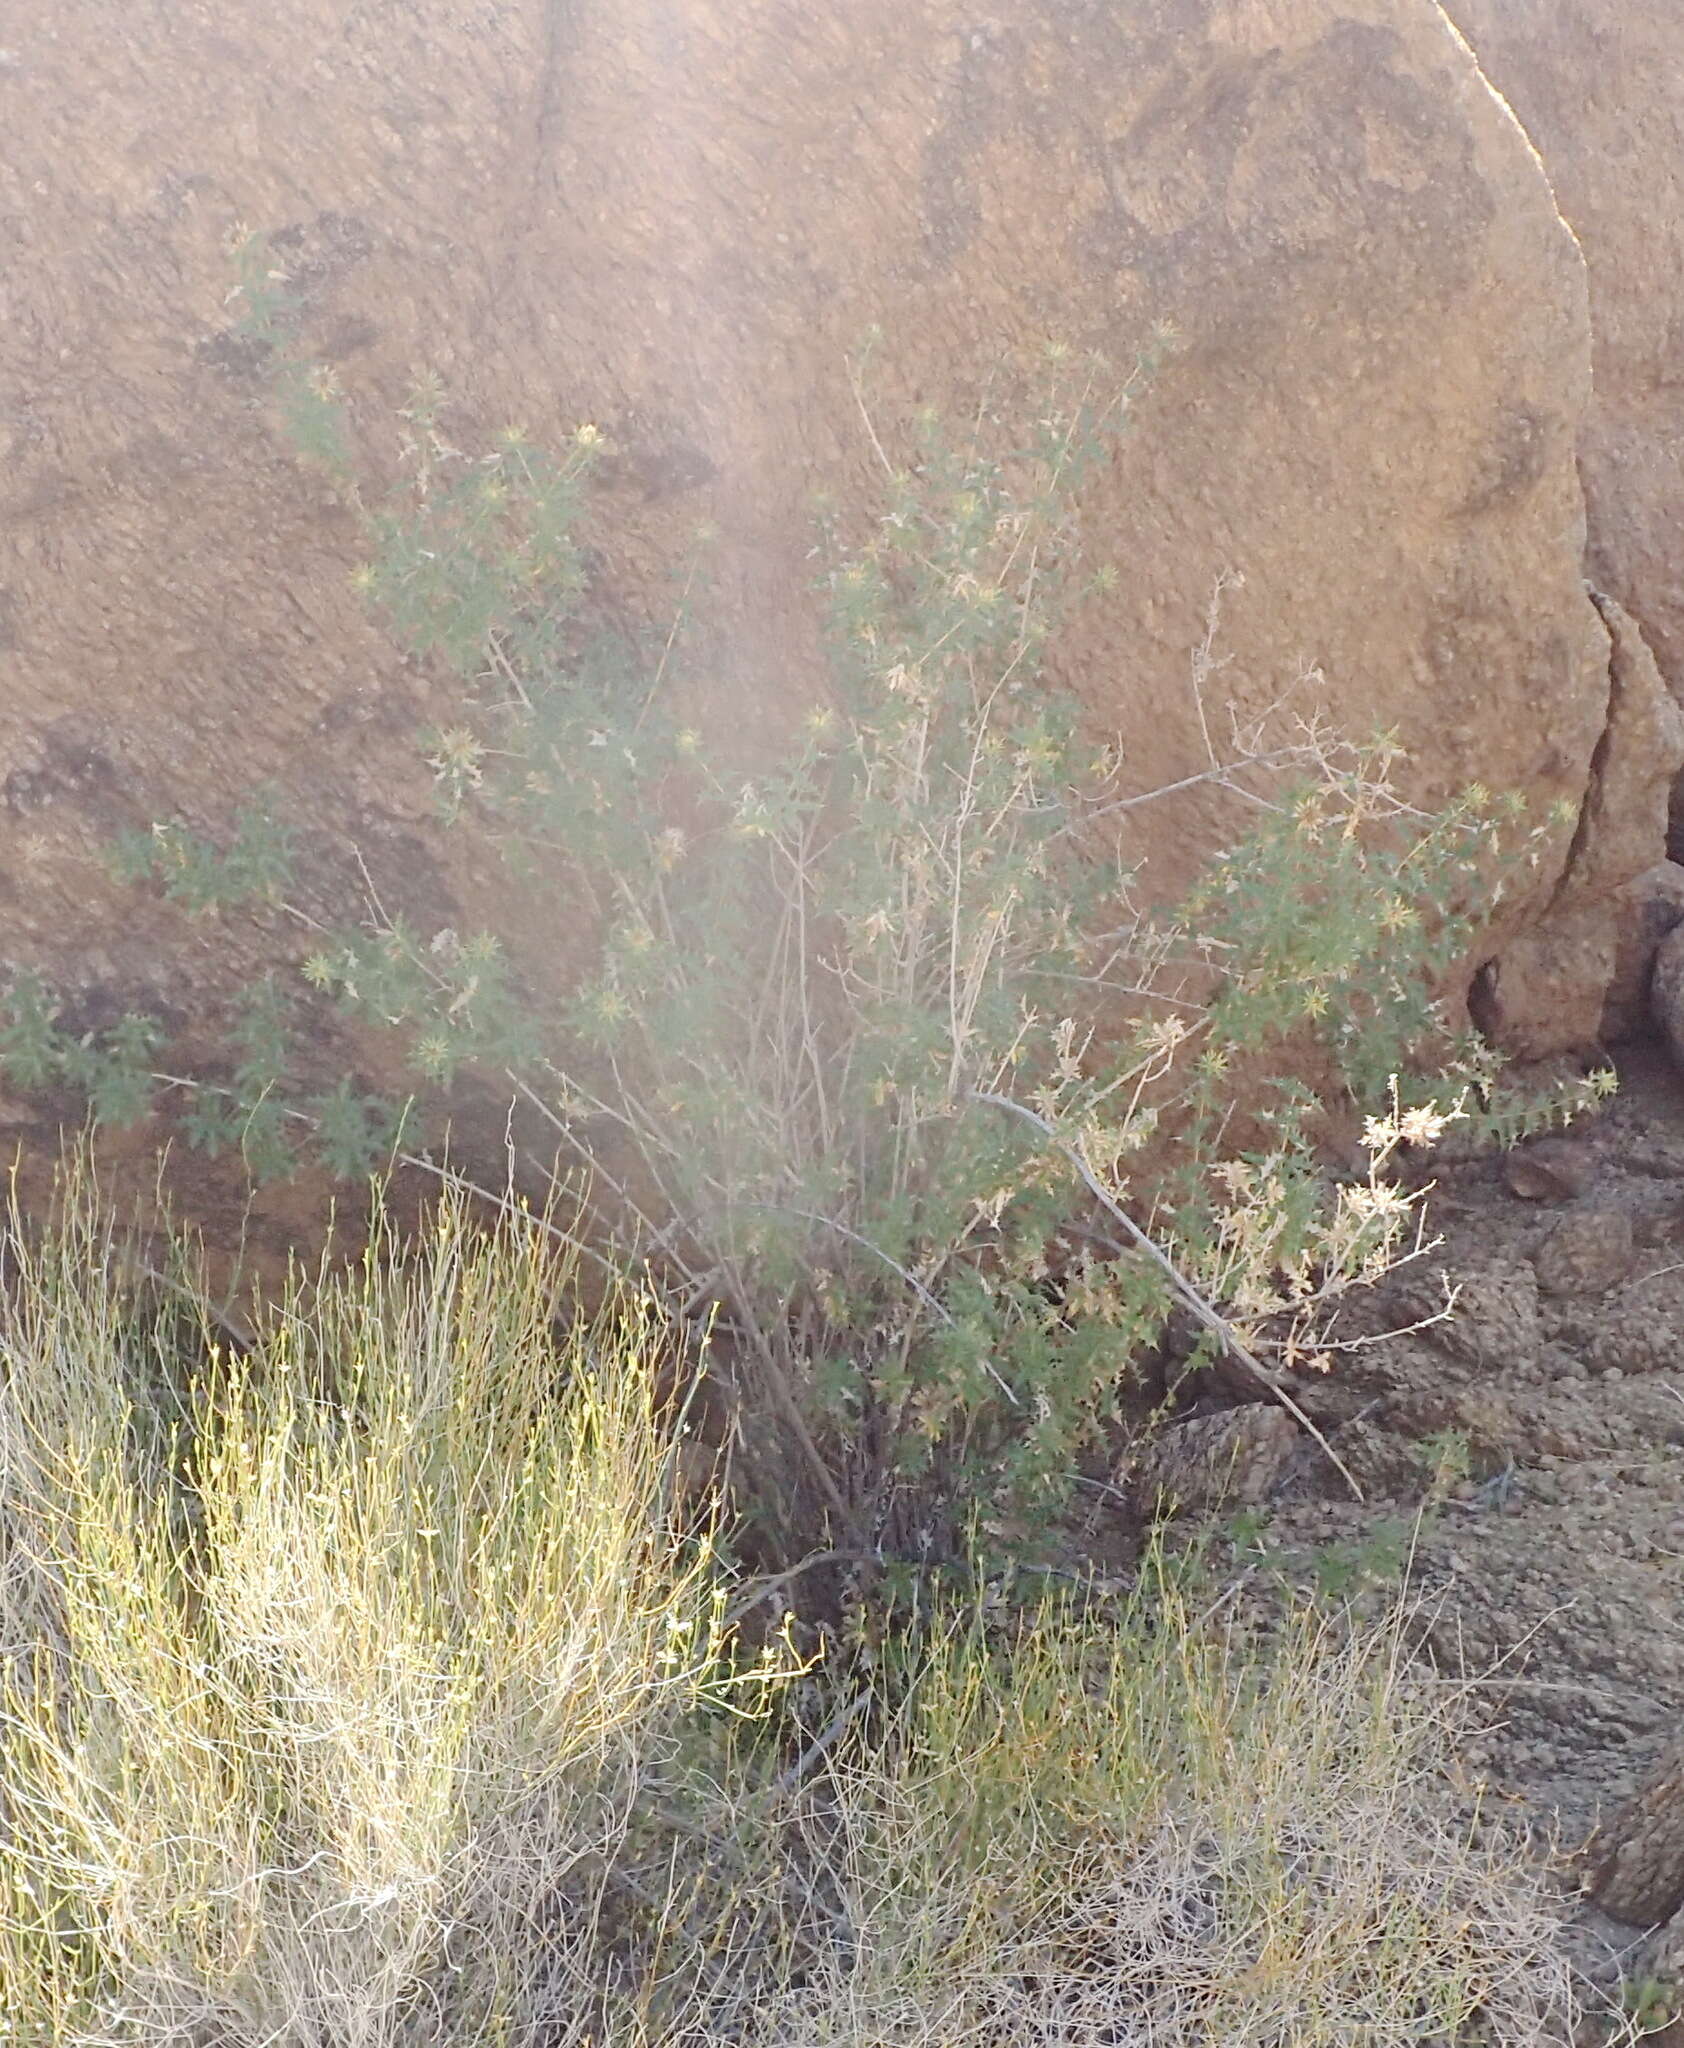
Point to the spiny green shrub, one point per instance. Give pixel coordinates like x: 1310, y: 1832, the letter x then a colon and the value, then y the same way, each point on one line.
x: 202, y: 876
x: 875, y: 1038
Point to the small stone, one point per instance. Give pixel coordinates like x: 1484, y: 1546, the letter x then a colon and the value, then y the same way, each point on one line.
x: 1236, y: 1457
x: 1588, y: 1251
x: 1611, y: 1374
x: 1552, y: 1169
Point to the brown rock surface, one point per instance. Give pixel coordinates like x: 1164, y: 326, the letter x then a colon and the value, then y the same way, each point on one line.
x: 1640, y: 1877
x: 1588, y: 1252
x: 1552, y: 984
x: 1549, y: 1169
x: 1599, y: 88
x: 1236, y: 1457
x: 1649, y: 908
x: 676, y: 217
x: 1666, y: 991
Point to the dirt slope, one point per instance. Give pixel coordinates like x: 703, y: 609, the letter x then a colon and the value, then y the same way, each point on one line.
x: 1548, y: 1570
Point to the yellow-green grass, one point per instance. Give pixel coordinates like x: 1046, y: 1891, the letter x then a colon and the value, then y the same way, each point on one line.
x: 373, y: 1689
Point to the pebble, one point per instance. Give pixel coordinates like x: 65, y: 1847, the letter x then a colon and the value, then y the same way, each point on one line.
x: 1588, y: 1252
x: 1551, y: 1169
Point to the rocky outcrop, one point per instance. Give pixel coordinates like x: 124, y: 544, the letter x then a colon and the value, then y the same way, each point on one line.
x: 1599, y: 88
x: 1552, y: 984
x: 1666, y: 994
x: 676, y: 217
x: 1640, y: 1876
x: 1650, y: 907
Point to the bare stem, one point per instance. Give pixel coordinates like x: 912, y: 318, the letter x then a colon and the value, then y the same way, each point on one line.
x: 1210, y: 1317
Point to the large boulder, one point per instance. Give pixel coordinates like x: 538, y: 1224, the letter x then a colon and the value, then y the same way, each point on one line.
x: 1563, y: 982
x: 1599, y: 87
x: 676, y: 218
x: 1650, y: 908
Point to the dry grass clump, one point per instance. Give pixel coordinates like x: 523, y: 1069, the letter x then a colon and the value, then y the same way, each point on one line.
x: 340, y: 1707
x: 1153, y: 1832
x: 371, y: 1691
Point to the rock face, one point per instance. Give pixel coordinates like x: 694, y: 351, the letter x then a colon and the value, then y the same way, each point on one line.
x: 1640, y: 1878
x: 1666, y: 991
x: 1650, y: 907
x: 1552, y: 985
x: 1600, y: 90
x: 676, y: 218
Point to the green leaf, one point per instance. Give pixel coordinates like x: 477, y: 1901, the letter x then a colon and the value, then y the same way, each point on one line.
x: 33, y: 1050
x: 114, y: 1069
x: 355, y: 1133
